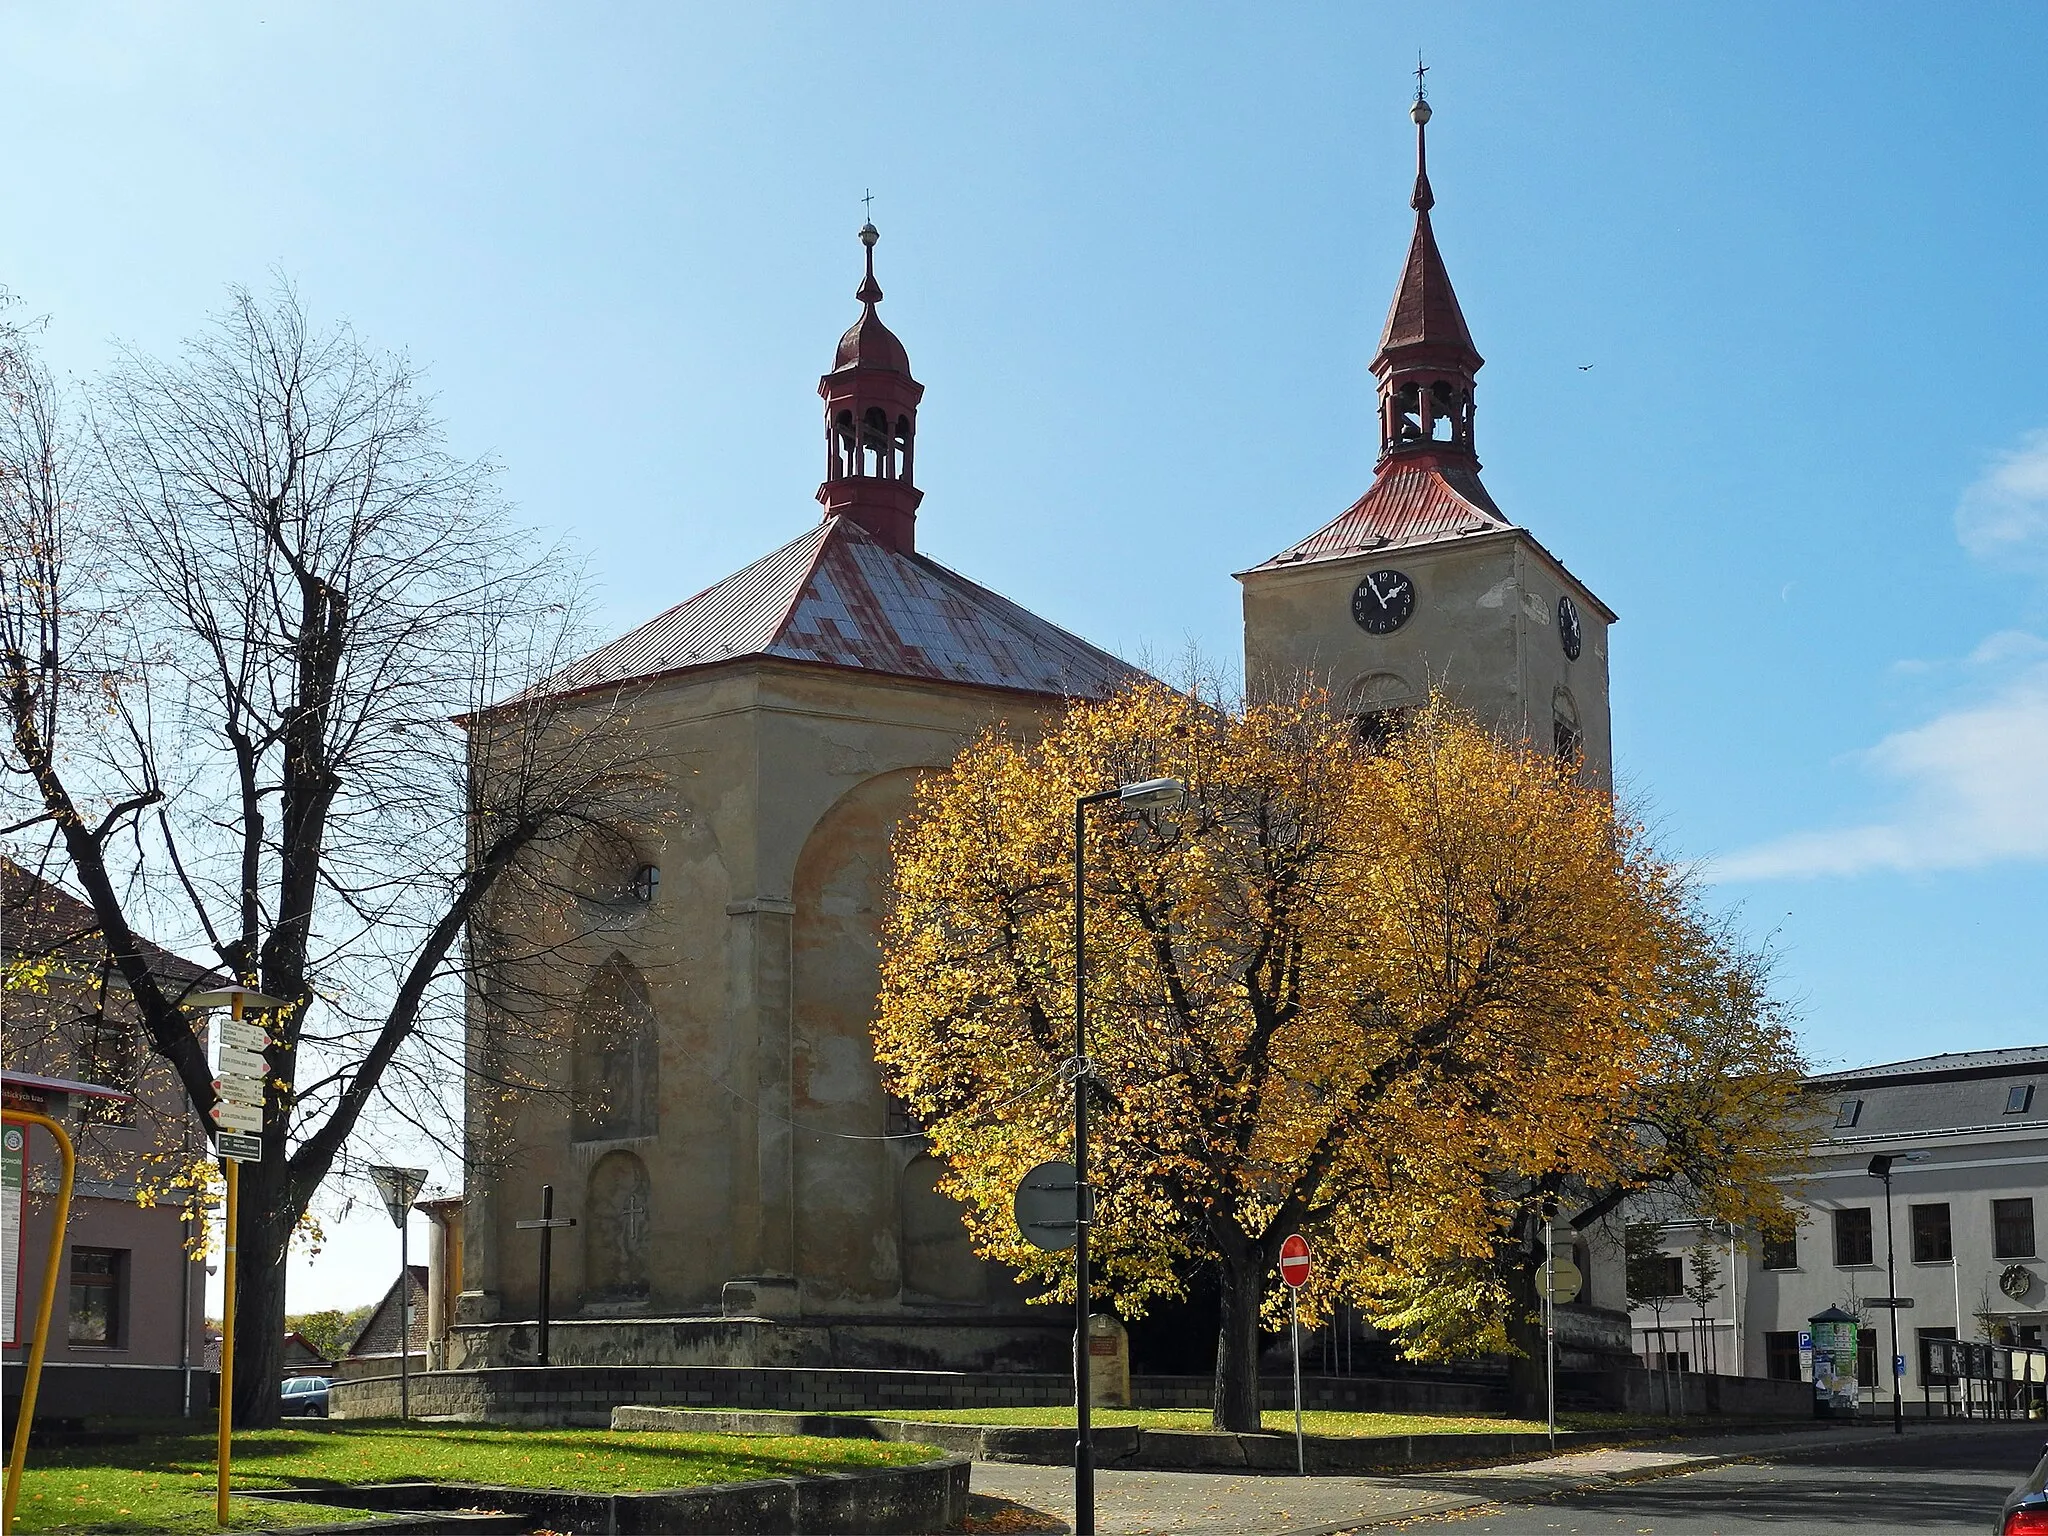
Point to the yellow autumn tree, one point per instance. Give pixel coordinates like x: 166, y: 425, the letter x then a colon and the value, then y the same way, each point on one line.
x: 1367, y: 996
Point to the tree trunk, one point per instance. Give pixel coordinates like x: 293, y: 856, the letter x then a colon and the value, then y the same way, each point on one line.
x: 263, y: 1230
x: 1235, y: 1404
x: 1527, y: 1394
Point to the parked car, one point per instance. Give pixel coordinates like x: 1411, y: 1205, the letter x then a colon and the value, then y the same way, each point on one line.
x: 2026, y: 1509
x: 306, y: 1395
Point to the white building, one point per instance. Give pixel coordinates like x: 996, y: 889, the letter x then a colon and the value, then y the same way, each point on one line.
x: 1968, y: 1137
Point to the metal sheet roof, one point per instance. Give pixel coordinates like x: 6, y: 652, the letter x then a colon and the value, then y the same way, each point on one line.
x: 839, y: 598
x: 1408, y: 504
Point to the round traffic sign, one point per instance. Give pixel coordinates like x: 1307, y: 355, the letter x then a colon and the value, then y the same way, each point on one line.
x: 1566, y: 1278
x: 1294, y: 1264
x: 1047, y: 1206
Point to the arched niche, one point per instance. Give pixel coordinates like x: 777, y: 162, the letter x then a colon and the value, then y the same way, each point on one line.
x: 616, y: 1092
x: 1567, y: 733
x: 847, y: 1210
x: 617, y: 1223
x: 938, y: 1260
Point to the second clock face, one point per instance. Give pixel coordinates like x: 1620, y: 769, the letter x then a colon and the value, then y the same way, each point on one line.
x: 1568, y: 627
x: 1383, y: 602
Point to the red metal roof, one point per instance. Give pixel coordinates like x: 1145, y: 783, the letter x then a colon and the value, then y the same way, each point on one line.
x: 838, y: 597
x: 1411, y: 502
x: 1425, y: 310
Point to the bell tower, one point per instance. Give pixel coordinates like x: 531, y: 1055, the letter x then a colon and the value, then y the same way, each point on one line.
x: 1423, y: 582
x: 871, y: 424
x: 1426, y: 364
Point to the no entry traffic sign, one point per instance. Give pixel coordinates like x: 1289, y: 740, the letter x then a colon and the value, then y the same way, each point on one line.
x: 1294, y: 1263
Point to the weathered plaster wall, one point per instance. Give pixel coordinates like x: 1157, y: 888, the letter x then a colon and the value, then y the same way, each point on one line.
x: 1484, y: 630
x: 757, y: 961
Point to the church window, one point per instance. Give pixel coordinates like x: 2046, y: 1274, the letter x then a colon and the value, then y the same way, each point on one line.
x: 1567, y: 736
x: 1380, y: 705
x: 877, y: 451
x: 1407, y: 408
x: 845, y: 454
x: 616, y: 1057
x: 1443, y: 411
x: 646, y: 881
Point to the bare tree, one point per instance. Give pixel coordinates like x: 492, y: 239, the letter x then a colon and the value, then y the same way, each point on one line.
x: 269, y: 654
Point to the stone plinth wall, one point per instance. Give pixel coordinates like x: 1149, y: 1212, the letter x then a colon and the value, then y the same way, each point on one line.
x: 1033, y: 1344
x: 1687, y: 1392
x: 587, y: 1394
x: 872, y: 1501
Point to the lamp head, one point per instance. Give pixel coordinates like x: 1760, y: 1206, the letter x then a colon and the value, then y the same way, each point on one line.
x: 1881, y: 1165
x: 1150, y: 792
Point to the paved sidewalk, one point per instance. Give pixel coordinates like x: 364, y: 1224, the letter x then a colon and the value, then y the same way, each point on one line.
x: 1244, y: 1504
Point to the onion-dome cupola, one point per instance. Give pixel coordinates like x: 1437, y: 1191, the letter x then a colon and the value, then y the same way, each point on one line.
x: 871, y: 424
x: 1426, y: 362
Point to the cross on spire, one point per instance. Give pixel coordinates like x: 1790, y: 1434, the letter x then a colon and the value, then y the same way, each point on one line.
x: 867, y: 204
x: 1421, y: 69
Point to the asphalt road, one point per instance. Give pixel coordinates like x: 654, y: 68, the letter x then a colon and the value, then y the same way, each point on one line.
x: 1928, y: 1481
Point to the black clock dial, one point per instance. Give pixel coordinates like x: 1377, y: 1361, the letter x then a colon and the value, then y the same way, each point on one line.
x: 1383, y: 602
x: 1568, y: 627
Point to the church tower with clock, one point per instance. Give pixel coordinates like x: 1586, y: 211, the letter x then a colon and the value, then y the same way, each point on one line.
x: 1424, y: 582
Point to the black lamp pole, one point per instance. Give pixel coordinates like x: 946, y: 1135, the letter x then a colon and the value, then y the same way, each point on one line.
x: 1084, y: 1453
x: 1145, y: 792
x: 1881, y: 1166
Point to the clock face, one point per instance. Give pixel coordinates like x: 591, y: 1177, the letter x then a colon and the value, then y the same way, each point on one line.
x: 1568, y: 627
x: 1383, y: 602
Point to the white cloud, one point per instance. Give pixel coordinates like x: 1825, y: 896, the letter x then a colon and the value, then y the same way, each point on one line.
x: 1975, y: 791
x: 1973, y: 781
x: 2003, y: 517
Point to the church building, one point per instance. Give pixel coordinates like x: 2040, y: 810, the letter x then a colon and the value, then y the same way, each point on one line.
x: 725, y: 1144
x: 744, y: 1191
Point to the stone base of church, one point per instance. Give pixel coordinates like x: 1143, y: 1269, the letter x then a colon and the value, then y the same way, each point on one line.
x: 890, y: 1343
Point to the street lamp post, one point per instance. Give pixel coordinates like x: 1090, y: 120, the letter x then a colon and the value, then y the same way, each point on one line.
x: 1881, y: 1167
x: 1145, y: 792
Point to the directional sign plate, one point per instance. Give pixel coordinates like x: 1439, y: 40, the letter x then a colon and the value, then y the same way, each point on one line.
x: 241, y: 1036
x: 1294, y: 1260
x: 1888, y: 1303
x: 234, y: 1063
x: 240, y: 1090
x: 1047, y: 1207
x: 237, y: 1117
x: 239, y: 1149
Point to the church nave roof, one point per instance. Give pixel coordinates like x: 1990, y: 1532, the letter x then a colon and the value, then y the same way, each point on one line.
x: 839, y: 597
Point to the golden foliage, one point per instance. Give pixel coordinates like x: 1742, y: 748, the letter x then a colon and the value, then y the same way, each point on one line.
x: 1384, y: 998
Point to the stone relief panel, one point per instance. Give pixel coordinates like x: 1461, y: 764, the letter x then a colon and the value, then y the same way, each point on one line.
x: 617, y: 1221
x: 938, y: 1261
x: 848, y: 1212
x: 616, y: 1088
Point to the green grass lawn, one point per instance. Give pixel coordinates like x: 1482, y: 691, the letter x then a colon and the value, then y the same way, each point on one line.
x: 1314, y: 1422
x: 165, y: 1482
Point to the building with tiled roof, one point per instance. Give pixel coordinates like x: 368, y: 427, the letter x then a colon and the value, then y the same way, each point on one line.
x: 719, y: 1134
x: 1424, y: 582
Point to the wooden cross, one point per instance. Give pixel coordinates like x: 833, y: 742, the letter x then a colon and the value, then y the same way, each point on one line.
x: 546, y: 1227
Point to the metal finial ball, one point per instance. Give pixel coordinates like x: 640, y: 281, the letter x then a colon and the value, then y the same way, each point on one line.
x: 1420, y: 111
x: 869, y: 235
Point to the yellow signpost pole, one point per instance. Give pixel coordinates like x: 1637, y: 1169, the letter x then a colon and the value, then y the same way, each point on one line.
x: 25, y: 1415
x: 223, y: 1448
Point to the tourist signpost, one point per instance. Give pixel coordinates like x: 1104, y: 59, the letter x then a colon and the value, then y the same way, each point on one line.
x: 1295, y: 1268
x: 399, y: 1187
x: 237, y: 1116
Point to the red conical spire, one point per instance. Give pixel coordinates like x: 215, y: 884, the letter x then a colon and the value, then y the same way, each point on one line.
x: 1426, y: 361
x: 871, y: 423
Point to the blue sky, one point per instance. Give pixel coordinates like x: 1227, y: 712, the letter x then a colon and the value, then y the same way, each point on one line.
x: 1140, y: 255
